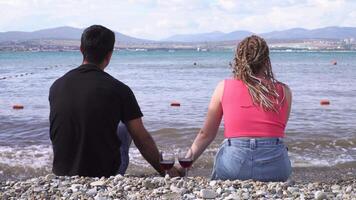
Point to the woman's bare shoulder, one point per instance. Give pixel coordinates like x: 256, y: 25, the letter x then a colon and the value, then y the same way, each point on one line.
x: 219, y: 90
x: 285, y: 86
x: 221, y: 84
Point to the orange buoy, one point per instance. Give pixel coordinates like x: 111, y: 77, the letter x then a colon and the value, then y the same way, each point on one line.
x: 324, y: 102
x: 17, y: 107
x: 175, y: 103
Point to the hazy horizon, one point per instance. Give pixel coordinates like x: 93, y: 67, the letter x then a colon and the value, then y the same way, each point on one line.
x: 159, y: 19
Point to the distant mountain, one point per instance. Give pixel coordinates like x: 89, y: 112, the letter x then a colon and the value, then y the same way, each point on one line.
x: 235, y: 35
x: 209, y: 37
x: 195, y: 37
x: 295, y: 33
x: 59, y: 33
x: 70, y: 33
x: 332, y: 32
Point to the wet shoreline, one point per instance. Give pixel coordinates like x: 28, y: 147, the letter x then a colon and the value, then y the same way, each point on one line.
x: 341, y: 172
x: 21, y: 164
x: 309, y: 174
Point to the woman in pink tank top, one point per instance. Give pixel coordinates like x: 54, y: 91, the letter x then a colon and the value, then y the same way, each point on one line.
x: 255, y: 107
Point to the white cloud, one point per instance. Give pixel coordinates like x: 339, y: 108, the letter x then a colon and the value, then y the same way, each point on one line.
x: 157, y: 19
x: 228, y: 4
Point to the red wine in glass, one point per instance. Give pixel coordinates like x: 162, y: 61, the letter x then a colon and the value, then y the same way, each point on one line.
x: 186, y: 162
x: 166, y: 161
x: 185, y: 159
x: 166, y: 164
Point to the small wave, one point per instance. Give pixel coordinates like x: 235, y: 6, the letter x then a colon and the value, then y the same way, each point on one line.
x: 18, y: 163
x: 34, y: 156
x: 308, y: 161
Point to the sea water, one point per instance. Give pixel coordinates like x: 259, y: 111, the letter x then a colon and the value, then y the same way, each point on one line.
x: 316, y: 135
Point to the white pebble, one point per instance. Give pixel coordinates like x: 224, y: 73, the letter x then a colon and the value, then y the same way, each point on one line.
x: 208, y: 194
x: 219, y: 190
x: 212, y: 183
x: 175, y: 189
x: 97, y: 183
x: 335, y: 188
x: 320, y: 195
x: 99, y: 197
x: 127, y: 187
x: 260, y: 193
x: 232, y: 197
x: 348, y: 189
x: 92, y: 191
x: 292, y: 189
x: 245, y: 196
x: 189, y: 196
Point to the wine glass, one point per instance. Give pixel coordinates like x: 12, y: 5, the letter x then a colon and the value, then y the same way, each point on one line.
x: 186, y: 159
x: 166, y: 161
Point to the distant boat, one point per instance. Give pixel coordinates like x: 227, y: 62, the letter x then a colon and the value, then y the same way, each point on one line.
x: 204, y: 50
x: 198, y: 49
x: 140, y: 49
x: 171, y: 50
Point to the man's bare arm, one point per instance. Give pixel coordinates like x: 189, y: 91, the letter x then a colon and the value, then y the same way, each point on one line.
x: 145, y: 143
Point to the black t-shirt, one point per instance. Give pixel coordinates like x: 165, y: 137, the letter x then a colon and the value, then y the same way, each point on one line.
x: 86, y: 105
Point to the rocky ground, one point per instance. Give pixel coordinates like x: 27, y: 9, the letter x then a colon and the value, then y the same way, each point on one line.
x: 151, y: 187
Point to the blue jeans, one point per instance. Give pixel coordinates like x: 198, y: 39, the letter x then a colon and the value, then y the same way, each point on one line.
x: 260, y: 159
x: 126, y: 140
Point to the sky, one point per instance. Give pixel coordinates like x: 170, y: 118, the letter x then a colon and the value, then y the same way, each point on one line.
x: 159, y: 19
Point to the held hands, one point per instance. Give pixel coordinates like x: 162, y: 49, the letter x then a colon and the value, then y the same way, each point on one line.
x: 185, y: 159
x: 174, y: 172
x: 181, y: 171
x: 177, y: 171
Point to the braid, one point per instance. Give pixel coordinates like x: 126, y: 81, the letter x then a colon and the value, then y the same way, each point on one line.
x: 252, y: 56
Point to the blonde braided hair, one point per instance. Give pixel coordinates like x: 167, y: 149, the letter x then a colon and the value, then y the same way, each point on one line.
x: 252, y: 56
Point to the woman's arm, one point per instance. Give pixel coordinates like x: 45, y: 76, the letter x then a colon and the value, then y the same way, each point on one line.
x: 212, y: 122
x: 288, y: 93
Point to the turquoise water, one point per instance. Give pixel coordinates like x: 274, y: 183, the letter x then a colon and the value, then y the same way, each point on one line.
x: 317, y: 135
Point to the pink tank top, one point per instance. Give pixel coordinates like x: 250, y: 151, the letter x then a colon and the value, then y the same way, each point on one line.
x: 243, y: 119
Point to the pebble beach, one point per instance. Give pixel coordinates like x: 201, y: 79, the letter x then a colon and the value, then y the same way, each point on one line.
x: 154, y: 187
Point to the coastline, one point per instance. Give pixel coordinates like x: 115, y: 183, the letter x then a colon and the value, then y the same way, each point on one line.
x: 305, y: 182
x: 140, y: 49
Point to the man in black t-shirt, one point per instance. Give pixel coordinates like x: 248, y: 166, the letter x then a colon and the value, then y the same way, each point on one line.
x: 86, y: 106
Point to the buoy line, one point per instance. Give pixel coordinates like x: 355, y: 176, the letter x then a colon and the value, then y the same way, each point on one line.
x: 31, y: 73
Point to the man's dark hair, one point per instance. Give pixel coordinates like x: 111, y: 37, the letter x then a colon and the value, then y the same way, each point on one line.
x: 96, y: 42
